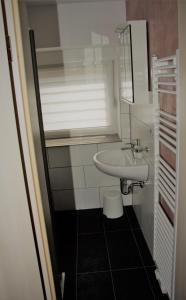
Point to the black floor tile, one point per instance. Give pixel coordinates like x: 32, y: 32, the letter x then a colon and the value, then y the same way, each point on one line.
x: 66, y: 222
x: 70, y: 287
x: 132, y: 285
x: 116, y: 224
x: 90, y: 221
x: 92, y: 253
x: 155, y: 285
x: 95, y: 286
x: 67, y: 252
x: 144, y: 250
x: 66, y: 240
x: 132, y: 217
x: 123, y: 251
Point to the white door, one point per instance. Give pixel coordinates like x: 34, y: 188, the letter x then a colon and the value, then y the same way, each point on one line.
x: 19, y: 270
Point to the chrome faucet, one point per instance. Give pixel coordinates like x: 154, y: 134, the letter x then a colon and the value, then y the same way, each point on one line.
x: 136, y: 147
x: 131, y: 145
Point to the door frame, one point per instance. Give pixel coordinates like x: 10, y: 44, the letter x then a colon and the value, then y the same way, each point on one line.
x: 30, y: 164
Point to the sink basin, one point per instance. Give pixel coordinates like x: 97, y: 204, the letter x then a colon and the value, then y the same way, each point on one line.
x: 121, y: 164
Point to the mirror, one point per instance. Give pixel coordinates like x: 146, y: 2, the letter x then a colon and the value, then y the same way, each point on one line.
x: 133, y: 61
x: 126, y: 69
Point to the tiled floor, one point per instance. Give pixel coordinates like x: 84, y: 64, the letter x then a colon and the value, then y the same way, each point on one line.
x: 105, y: 259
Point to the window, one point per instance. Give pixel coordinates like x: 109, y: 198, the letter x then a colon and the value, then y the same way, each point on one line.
x: 78, y: 98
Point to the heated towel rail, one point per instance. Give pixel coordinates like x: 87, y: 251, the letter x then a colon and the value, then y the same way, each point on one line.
x: 166, y: 111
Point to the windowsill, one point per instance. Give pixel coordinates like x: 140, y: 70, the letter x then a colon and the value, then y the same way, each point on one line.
x: 84, y: 140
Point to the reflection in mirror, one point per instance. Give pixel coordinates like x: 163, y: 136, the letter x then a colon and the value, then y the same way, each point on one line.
x: 133, y: 62
x: 126, y: 70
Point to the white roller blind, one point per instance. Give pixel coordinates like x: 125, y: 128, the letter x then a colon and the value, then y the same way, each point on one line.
x: 78, y: 99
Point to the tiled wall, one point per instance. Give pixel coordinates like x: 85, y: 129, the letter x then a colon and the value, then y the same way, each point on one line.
x: 161, y: 16
x: 75, y: 181
x: 143, y: 199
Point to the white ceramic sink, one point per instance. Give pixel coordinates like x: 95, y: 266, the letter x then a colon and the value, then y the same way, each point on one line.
x: 122, y: 164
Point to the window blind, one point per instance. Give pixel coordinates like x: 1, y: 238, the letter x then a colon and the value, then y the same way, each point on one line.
x: 78, y: 100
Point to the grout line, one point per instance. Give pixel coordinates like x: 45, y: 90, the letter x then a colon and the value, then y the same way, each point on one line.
x: 139, y: 252
x: 77, y: 229
x: 129, y: 269
x: 110, y: 268
x: 90, y: 187
x: 148, y: 279
x: 93, y: 272
x: 129, y: 220
x: 130, y: 123
x: 85, y: 179
x: 98, y: 232
x: 150, y: 282
x: 150, y: 267
x: 72, y: 166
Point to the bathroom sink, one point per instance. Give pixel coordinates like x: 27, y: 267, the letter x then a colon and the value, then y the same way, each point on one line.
x: 122, y: 164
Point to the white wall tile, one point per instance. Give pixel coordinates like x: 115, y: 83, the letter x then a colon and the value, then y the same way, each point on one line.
x: 61, y: 178
x: 113, y: 146
x: 82, y: 185
x: 87, y: 198
x: 109, y: 146
x: 143, y: 199
x: 143, y: 202
x: 59, y: 157
x: 78, y: 177
x: 67, y: 178
x: 64, y: 200
x: 149, y: 156
x: 125, y: 141
x: 125, y: 126
x: 141, y: 130
x: 82, y: 155
x: 127, y: 199
x: 95, y: 178
x: 124, y: 107
x: 143, y: 112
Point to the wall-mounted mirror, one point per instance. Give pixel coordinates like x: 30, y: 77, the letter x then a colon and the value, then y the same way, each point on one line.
x: 126, y: 69
x: 133, y: 62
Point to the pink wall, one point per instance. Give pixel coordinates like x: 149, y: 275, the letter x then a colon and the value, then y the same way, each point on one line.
x: 162, y: 18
